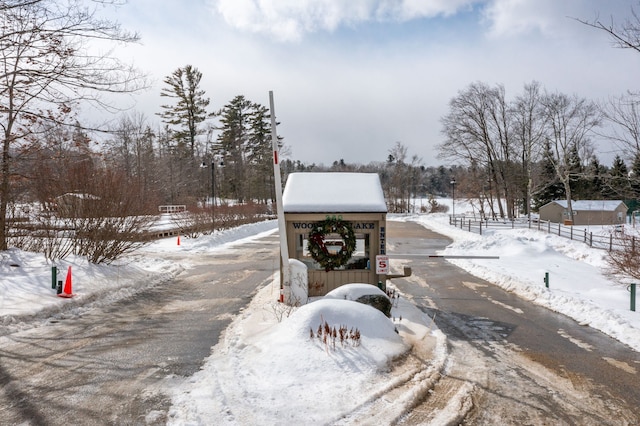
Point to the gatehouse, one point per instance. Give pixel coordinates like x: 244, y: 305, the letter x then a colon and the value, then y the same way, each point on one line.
x: 336, y: 226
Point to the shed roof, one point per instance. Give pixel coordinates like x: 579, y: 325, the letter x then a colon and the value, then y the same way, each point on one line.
x: 333, y: 193
x: 78, y: 195
x: 591, y: 205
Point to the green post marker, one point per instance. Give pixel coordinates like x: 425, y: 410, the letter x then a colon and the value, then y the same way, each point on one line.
x: 54, y: 277
x: 546, y: 279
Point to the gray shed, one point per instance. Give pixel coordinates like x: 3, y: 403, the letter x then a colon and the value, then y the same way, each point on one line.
x: 585, y: 212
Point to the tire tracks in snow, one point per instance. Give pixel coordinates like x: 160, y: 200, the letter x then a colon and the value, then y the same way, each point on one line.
x: 417, y: 379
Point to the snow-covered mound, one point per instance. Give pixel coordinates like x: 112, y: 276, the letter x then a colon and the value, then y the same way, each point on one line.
x: 353, y: 291
x: 264, y: 370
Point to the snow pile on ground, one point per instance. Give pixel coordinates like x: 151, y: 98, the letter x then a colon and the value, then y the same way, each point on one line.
x: 579, y: 285
x: 26, y: 287
x: 265, y: 370
x: 353, y: 291
x: 26, y: 290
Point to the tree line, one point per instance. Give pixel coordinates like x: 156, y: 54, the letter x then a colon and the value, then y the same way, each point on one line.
x: 62, y: 179
x: 539, y: 146
x: 517, y: 152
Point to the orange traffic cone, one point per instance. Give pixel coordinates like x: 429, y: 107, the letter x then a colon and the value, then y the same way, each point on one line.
x: 67, y: 292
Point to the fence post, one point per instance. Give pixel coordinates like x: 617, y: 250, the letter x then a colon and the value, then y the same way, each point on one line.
x: 633, y: 297
x: 571, y: 233
x: 480, y: 227
x: 559, y: 230
x: 469, y: 225
x: 54, y: 277
x: 590, y: 239
x: 546, y: 279
x: 610, y: 242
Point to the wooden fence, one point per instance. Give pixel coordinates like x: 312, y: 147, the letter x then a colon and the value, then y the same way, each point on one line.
x: 605, y: 242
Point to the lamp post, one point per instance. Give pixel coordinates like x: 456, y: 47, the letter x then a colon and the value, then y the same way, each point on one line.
x: 204, y: 165
x: 213, y: 188
x: 453, y: 196
x: 213, y: 183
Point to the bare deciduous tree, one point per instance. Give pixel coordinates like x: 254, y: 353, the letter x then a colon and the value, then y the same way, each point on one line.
x: 47, y: 69
x: 478, y: 130
x: 106, y: 214
x: 397, y: 183
x: 626, y: 259
x: 625, y: 35
x: 131, y: 149
x: 623, y: 113
x: 529, y: 133
x: 570, y: 119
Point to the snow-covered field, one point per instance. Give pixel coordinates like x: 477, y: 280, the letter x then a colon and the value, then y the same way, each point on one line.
x: 264, y: 369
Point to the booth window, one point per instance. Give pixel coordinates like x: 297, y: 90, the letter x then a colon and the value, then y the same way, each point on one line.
x: 359, y: 259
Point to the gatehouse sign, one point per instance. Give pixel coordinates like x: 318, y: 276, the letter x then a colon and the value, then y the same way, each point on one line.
x: 356, y: 226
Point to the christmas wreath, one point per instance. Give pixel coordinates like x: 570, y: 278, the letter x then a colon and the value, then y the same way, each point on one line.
x: 318, y: 248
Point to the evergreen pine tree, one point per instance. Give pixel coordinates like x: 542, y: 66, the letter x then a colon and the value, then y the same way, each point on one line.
x: 260, y: 154
x: 595, y: 179
x: 617, y: 182
x: 552, y: 189
x: 579, y: 187
x: 189, y: 110
x: 634, y: 180
x: 234, y: 146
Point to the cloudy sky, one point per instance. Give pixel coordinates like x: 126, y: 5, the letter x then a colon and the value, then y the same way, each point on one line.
x: 352, y: 78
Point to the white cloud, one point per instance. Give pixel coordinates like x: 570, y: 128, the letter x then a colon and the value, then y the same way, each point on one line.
x: 354, y: 97
x: 508, y: 17
x: 546, y: 17
x: 290, y: 20
x: 405, y: 10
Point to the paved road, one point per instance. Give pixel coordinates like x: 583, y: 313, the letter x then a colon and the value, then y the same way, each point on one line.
x: 513, y: 362
x: 524, y: 364
x: 106, y: 367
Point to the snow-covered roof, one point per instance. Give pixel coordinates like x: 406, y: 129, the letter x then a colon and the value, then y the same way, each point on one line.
x: 591, y: 205
x: 333, y: 193
x: 79, y: 195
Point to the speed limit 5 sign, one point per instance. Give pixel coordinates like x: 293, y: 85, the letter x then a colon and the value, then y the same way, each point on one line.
x: 382, y: 264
